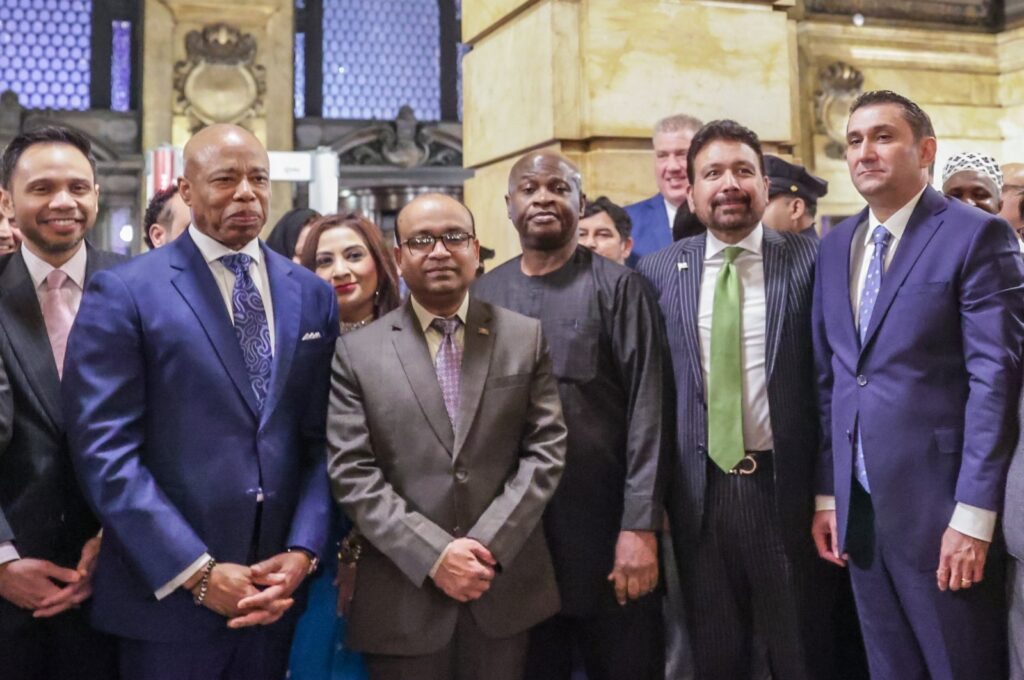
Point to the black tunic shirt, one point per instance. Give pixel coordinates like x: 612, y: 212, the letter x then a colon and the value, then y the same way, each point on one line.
x: 607, y: 343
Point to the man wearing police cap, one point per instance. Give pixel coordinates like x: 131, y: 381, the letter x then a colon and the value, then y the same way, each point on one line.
x: 793, y: 195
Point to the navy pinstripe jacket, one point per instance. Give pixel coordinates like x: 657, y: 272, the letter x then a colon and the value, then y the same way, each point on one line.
x: 675, y: 273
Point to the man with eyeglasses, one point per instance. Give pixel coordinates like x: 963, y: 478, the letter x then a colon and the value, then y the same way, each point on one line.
x: 608, y: 350
x: 445, y: 443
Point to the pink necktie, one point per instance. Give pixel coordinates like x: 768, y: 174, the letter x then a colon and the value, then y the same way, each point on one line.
x: 58, y: 316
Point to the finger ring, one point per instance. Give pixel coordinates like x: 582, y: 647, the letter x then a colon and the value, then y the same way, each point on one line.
x: 966, y: 581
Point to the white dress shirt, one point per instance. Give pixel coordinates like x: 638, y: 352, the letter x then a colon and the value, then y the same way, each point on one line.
x: 967, y: 519
x: 434, y: 339
x: 212, y: 250
x: 38, y: 270
x: 757, y: 426
x: 671, y: 211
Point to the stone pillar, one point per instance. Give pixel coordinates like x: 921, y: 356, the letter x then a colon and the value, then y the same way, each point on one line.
x: 171, y: 110
x: 591, y: 77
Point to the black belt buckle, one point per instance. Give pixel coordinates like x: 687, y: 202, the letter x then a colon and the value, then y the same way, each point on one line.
x: 746, y: 466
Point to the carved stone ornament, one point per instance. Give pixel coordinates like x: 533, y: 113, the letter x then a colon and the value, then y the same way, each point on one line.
x: 839, y: 85
x: 405, y: 143
x: 220, y: 82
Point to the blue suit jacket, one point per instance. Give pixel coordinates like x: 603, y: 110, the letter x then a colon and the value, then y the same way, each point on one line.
x: 935, y: 384
x: 676, y: 273
x: 651, y: 230
x: 167, y: 439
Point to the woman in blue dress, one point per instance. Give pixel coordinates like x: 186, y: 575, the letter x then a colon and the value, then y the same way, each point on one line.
x: 348, y: 252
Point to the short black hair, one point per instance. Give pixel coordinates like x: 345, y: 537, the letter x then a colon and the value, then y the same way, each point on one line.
x: 728, y: 130
x: 603, y: 204
x: 156, y: 212
x: 49, y: 134
x: 919, y: 122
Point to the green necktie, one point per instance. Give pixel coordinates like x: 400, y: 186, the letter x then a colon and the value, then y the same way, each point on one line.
x: 725, y: 377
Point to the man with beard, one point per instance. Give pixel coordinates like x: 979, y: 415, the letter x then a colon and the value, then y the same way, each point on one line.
x: 655, y: 220
x: 607, y: 346
x: 48, y: 550
x: 737, y: 304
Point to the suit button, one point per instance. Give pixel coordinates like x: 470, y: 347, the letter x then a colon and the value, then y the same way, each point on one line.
x: 862, y: 380
x: 701, y: 450
x: 461, y: 475
x: 849, y: 435
x: 457, y: 531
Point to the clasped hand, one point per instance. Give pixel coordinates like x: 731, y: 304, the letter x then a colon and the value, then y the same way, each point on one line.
x: 466, y: 570
x: 256, y: 595
x: 46, y: 588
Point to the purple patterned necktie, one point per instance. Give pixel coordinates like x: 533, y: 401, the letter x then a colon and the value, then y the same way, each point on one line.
x: 872, y: 283
x: 251, y: 327
x: 449, y: 365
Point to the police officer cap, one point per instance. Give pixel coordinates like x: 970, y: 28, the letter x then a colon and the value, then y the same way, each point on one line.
x: 793, y: 180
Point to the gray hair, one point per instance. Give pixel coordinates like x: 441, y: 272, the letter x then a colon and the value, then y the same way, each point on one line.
x: 678, y: 123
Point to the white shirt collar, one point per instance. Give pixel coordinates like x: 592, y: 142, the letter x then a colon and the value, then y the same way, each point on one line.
x: 752, y: 243
x: 212, y: 249
x: 426, y: 317
x: 897, y: 223
x: 39, y: 269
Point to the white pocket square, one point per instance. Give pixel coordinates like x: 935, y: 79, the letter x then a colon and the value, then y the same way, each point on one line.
x: 312, y: 335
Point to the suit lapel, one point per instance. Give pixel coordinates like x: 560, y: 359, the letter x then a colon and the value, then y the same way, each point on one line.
x: 286, y: 294
x: 23, y: 320
x: 476, y: 363
x: 411, y: 347
x: 196, y: 284
x: 690, y: 269
x: 845, y: 270
x: 920, y: 229
x: 776, y: 283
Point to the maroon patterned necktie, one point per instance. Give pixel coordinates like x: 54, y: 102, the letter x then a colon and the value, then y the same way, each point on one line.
x: 449, y: 365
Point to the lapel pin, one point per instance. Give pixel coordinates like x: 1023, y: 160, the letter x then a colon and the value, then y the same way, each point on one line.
x: 483, y: 331
x: 682, y: 265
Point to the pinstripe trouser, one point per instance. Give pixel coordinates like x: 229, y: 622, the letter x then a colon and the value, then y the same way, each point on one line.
x: 746, y: 598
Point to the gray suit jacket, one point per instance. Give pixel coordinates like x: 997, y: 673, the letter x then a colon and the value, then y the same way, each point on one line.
x: 1013, y: 508
x: 412, y: 483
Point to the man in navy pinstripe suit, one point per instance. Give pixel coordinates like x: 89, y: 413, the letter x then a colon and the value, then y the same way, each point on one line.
x: 737, y: 304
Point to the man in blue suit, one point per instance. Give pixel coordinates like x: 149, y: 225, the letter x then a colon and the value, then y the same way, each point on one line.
x: 195, y: 391
x: 918, y: 325
x: 654, y: 217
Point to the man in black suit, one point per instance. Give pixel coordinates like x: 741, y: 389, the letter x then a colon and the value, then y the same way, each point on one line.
x: 737, y: 305
x: 49, y: 539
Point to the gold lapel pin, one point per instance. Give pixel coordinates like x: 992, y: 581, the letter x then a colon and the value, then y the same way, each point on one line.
x: 483, y: 331
x: 682, y: 265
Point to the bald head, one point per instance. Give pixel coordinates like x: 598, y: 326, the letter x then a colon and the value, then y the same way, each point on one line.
x: 1013, y: 192
x: 426, y: 204
x: 545, y: 200
x: 226, y: 184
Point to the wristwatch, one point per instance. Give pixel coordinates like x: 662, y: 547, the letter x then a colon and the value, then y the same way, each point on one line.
x: 314, y: 561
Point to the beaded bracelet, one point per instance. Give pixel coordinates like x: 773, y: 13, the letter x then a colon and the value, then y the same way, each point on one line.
x: 204, y: 583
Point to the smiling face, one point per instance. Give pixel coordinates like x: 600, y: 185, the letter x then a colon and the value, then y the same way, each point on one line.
x: 887, y: 165
x: 544, y: 201
x: 729, y: 191
x: 344, y: 261
x: 54, y: 199
x: 227, y: 184
x: 670, y: 150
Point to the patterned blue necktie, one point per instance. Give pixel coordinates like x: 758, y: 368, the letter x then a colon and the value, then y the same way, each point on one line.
x: 251, y: 327
x: 872, y: 283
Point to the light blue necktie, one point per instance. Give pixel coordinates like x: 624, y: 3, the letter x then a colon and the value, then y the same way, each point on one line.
x: 880, y: 237
x: 251, y: 327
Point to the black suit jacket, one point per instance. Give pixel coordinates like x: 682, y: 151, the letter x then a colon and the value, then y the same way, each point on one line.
x: 41, y: 507
x: 676, y: 274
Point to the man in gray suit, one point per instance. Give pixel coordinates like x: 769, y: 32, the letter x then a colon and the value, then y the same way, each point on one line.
x: 445, y: 442
x: 1013, y: 529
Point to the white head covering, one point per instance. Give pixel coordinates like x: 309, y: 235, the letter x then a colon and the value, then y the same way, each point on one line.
x: 978, y: 162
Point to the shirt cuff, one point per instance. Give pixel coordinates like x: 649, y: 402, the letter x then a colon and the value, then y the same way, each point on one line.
x: 824, y: 503
x: 8, y: 553
x: 437, y: 564
x: 180, y: 579
x: 974, y: 522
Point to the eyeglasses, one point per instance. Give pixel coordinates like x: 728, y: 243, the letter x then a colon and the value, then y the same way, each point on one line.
x: 453, y: 241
